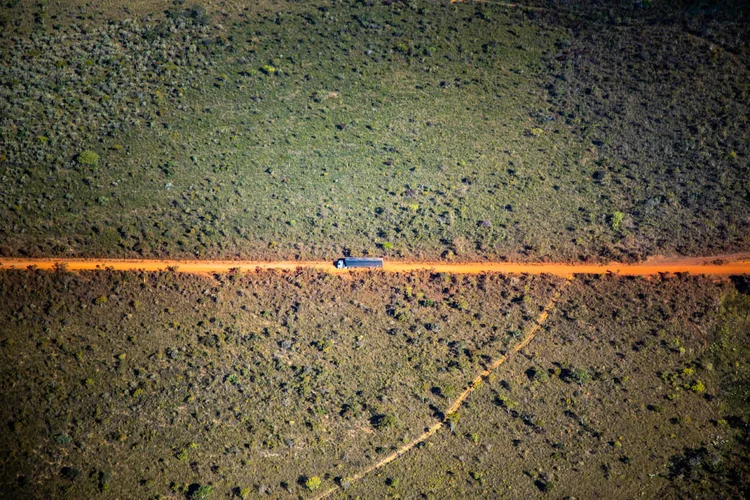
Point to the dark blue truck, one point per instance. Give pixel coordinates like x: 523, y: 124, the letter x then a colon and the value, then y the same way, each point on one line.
x: 353, y: 262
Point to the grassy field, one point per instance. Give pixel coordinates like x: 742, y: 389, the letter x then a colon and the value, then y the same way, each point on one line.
x: 131, y: 385
x: 410, y: 130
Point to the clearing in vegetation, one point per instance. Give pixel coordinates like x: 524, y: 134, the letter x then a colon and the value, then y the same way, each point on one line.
x: 727, y: 265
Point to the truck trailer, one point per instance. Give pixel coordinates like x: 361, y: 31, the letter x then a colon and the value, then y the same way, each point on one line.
x: 357, y: 262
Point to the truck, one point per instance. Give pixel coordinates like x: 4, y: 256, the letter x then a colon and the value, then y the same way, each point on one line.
x: 355, y: 262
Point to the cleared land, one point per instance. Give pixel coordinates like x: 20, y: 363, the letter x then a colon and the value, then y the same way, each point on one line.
x: 727, y: 265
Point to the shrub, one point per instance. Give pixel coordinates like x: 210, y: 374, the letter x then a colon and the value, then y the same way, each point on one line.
x: 448, y: 391
x: 313, y: 483
x: 544, y: 485
x: 384, y: 422
x: 402, y: 316
x: 88, y: 157
x: 461, y: 304
x: 63, y: 438
x: 195, y: 14
x: 505, y: 402
x: 323, y: 345
x: 453, y: 420
x: 200, y: 491
x: 617, y: 220
x: 541, y: 376
x: 70, y: 473
x: 698, y: 387
x: 104, y: 479
x: 580, y: 375
x: 400, y: 313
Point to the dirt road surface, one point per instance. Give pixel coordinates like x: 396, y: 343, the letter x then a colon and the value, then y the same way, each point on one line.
x: 724, y: 265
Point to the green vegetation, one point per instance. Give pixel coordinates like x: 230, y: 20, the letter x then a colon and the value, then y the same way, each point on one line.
x: 697, y: 386
x: 433, y: 129
x: 200, y: 492
x: 421, y: 130
x: 88, y: 158
x: 243, y: 377
x: 313, y: 483
x: 617, y: 220
x: 268, y: 69
x: 702, y: 469
x: 256, y: 382
x: 562, y: 439
x: 384, y: 422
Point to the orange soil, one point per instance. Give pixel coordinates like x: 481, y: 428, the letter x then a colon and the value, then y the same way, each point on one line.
x: 718, y: 265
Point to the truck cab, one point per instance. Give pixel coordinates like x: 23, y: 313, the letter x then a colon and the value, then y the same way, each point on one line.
x: 358, y: 262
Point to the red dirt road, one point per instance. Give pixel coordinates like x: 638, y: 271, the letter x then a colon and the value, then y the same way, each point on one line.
x: 724, y: 265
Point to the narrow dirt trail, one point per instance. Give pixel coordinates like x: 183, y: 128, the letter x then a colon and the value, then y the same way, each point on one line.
x: 721, y: 265
x: 456, y: 405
